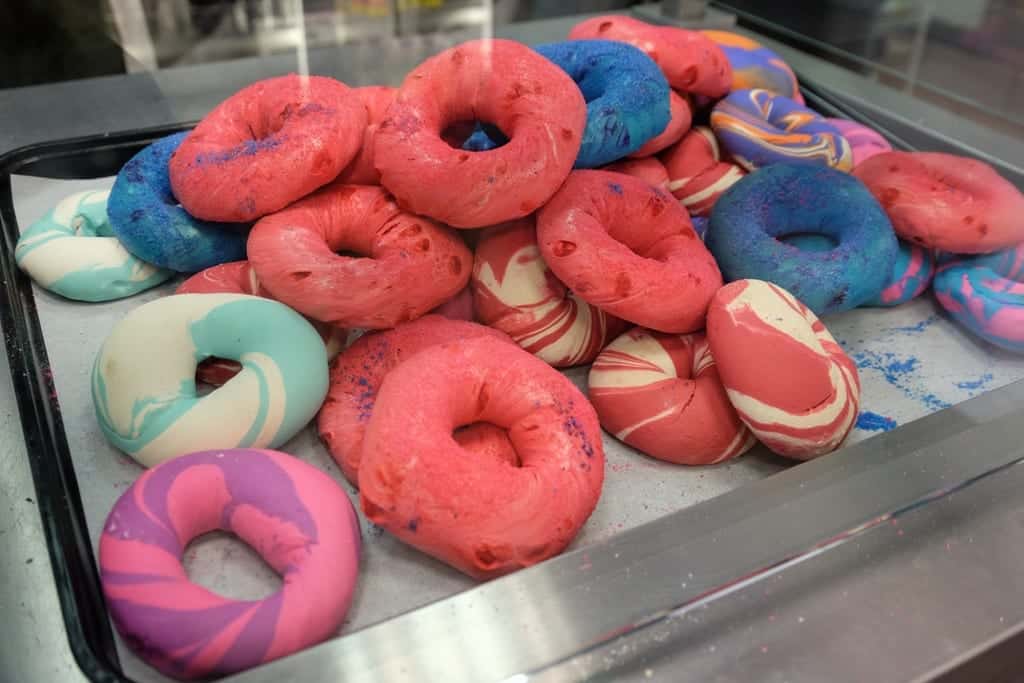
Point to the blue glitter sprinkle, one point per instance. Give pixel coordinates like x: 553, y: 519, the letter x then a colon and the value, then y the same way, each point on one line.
x: 899, y: 371
x: 615, y: 187
x: 975, y: 385
x: 873, y: 422
x: 918, y: 328
x: 246, y: 148
x: 889, y: 364
x: 934, y: 402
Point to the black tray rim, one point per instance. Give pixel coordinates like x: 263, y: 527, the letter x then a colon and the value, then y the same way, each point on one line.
x: 72, y: 560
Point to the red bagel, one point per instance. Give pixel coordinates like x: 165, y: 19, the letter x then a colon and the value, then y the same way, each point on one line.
x: 356, y: 376
x: 682, y: 117
x: 518, y: 294
x: 411, y: 264
x: 692, y: 62
x: 660, y: 393
x: 629, y: 249
x: 484, y: 516
x: 266, y: 146
x: 648, y: 169
x: 945, y: 201
x: 697, y: 175
x: 459, y: 307
x: 790, y: 382
x: 376, y: 99
x: 534, y: 103
x: 237, y: 277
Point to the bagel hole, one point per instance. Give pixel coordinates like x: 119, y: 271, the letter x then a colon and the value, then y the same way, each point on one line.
x: 213, y: 373
x: 459, y: 132
x: 487, y: 440
x: 221, y: 562
x: 813, y: 242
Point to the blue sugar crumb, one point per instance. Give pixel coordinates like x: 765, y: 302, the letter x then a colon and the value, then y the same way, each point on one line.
x: 892, y: 366
x: 413, y: 524
x: 873, y: 422
x: 934, y: 402
x: 615, y: 187
x: 918, y: 328
x: 900, y: 372
x: 247, y: 148
x: 975, y: 385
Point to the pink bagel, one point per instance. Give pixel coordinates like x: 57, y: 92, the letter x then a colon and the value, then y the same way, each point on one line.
x: 459, y: 307
x: 534, y: 103
x: 267, y: 145
x: 697, y: 175
x: 483, y: 516
x: 788, y: 379
x: 358, y: 372
x: 682, y: 117
x: 407, y: 264
x: 629, y: 249
x: 648, y: 169
x: 692, y: 62
x: 376, y: 99
x: 295, y: 516
x: 517, y: 293
x: 864, y: 142
x: 237, y: 277
x: 945, y: 202
x: 660, y: 393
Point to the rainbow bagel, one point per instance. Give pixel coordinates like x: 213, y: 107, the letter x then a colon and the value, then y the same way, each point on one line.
x: 864, y: 142
x: 516, y: 292
x: 911, y: 275
x: 151, y: 410
x: 697, y: 176
x: 754, y: 217
x: 790, y: 382
x: 72, y: 251
x: 755, y: 66
x: 985, y: 294
x: 238, y: 277
x: 291, y: 513
x: 759, y: 128
x: 661, y: 394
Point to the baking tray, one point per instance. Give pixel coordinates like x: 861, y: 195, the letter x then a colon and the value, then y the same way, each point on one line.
x: 912, y: 360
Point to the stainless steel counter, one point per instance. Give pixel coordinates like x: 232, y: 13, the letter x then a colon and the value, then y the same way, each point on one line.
x: 900, y: 600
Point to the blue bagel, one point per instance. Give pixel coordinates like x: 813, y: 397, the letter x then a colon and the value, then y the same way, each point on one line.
x: 759, y: 128
x: 700, y: 225
x: 626, y: 94
x: 147, y: 219
x: 779, y: 200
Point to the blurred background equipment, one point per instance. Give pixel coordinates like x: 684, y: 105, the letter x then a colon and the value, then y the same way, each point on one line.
x: 963, y: 55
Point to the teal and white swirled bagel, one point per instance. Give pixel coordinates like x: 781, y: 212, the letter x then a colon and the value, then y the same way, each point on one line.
x: 143, y: 381
x: 72, y: 251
